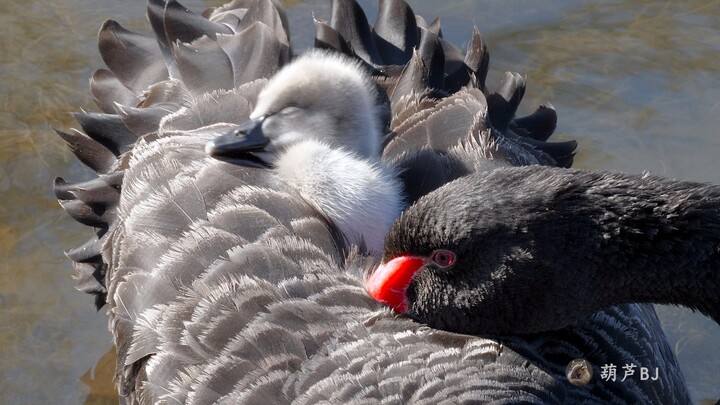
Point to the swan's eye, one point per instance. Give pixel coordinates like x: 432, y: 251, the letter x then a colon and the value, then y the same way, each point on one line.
x: 289, y: 111
x: 443, y: 258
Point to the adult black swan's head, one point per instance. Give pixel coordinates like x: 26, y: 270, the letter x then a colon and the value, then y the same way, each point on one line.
x: 523, y: 250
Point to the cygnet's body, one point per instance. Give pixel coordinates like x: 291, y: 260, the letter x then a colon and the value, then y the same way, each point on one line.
x: 316, y: 123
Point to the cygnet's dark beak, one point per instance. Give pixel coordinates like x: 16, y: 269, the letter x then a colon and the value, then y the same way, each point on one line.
x: 240, y: 141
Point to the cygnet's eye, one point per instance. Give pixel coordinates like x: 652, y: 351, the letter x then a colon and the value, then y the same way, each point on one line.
x: 289, y: 111
x: 443, y: 258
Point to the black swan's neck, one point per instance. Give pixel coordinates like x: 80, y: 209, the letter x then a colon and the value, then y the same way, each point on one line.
x: 655, y: 241
x: 574, y: 242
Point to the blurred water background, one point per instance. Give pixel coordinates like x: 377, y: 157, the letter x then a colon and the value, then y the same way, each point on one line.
x: 637, y: 83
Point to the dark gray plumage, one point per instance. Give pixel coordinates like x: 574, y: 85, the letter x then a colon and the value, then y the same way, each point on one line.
x: 222, y: 285
x: 539, y: 249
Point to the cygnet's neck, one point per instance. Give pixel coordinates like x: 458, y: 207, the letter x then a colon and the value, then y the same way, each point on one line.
x: 361, y: 196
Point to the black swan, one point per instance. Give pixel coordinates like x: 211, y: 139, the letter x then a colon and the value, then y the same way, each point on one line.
x: 224, y: 285
x: 499, y: 252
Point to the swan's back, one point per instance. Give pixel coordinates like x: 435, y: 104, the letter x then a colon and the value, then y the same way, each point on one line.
x: 223, y: 285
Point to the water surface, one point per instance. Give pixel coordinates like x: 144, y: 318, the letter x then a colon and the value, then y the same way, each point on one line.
x: 637, y: 83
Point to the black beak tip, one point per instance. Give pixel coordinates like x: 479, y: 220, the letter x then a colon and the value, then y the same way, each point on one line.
x: 214, y: 148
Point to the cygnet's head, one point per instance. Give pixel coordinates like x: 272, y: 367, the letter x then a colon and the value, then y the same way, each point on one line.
x: 319, y: 96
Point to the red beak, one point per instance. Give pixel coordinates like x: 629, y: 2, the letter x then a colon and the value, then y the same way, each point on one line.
x: 390, y: 281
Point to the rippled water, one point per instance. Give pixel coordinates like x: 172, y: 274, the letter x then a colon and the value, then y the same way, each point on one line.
x: 636, y: 82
